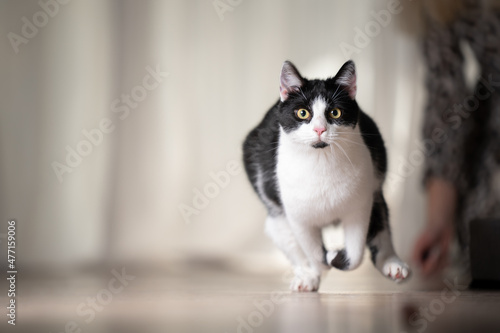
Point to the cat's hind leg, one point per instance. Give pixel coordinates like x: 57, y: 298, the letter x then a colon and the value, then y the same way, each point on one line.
x: 306, y: 278
x: 379, y: 242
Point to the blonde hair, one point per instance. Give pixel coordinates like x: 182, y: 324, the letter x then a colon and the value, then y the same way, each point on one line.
x: 444, y: 11
x: 415, y: 20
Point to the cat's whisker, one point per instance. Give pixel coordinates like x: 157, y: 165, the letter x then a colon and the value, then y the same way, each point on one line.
x: 334, y: 94
x: 342, y: 149
x: 354, y: 142
x: 351, y: 133
x: 272, y: 149
x: 302, y: 93
x: 339, y: 102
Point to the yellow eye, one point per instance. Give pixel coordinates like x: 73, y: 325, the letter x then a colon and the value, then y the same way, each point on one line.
x: 303, y: 114
x: 335, y: 113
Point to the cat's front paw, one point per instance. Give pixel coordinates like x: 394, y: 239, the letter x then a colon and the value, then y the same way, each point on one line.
x: 395, y: 269
x: 305, y: 280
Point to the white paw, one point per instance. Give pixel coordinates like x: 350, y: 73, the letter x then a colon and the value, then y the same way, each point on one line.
x: 330, y: 255
x: 395, y: 269
x: 305, y: 280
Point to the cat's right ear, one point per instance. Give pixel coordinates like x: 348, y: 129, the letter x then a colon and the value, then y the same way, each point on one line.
x: 290, y: 80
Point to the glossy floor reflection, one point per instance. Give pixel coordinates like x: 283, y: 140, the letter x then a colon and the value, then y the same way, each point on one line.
x: 213, y: 301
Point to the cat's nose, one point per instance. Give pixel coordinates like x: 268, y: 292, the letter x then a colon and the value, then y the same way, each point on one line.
x: 319, y: 130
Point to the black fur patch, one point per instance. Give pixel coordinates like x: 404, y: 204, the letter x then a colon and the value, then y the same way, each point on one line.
x: 374, y: 142
x: 259, y: 154
x: 374, y: 252
x: 341, y: 261
x: 379, y: 216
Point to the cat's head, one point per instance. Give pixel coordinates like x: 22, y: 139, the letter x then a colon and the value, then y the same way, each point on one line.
x: 316, y: 112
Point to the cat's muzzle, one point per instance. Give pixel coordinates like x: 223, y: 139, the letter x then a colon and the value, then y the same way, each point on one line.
x: 320, y: 144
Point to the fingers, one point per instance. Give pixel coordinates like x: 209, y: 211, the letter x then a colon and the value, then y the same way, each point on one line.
x: 431, y: 252
x: 422, y: 248
x: 433, y: 262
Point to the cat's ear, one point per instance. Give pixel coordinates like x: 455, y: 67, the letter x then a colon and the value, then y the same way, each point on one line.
x: 290, y: 80
x: 346, y: 77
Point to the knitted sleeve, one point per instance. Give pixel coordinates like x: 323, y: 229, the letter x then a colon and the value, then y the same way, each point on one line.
x: 443, y: 130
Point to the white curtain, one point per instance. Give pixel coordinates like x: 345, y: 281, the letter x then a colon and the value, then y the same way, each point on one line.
x: 121, y: 202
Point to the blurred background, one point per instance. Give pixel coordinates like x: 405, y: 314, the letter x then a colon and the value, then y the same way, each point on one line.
x: 218, y: 65
x: 114, y: 114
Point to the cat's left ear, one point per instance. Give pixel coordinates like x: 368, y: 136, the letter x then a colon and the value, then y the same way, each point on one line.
x: 346, y: 77
x: 290, y: 80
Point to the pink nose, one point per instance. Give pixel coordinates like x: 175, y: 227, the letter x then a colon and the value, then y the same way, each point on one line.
x: 319, y: 130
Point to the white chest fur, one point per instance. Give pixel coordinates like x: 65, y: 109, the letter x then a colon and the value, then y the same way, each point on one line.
x: 318, y: 186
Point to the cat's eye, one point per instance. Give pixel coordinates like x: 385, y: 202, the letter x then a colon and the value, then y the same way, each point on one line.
x: 335, y: 113
x: 303, y: 114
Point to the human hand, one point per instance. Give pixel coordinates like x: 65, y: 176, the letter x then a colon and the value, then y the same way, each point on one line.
x: 431, y: 249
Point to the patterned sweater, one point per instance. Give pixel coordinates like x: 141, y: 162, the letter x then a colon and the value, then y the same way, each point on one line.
x: 461, y: 125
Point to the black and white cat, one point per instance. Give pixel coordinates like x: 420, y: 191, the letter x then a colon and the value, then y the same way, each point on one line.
x: 316, y: 159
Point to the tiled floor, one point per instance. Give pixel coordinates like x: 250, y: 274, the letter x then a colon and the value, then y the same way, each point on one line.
x: 211, y: 301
